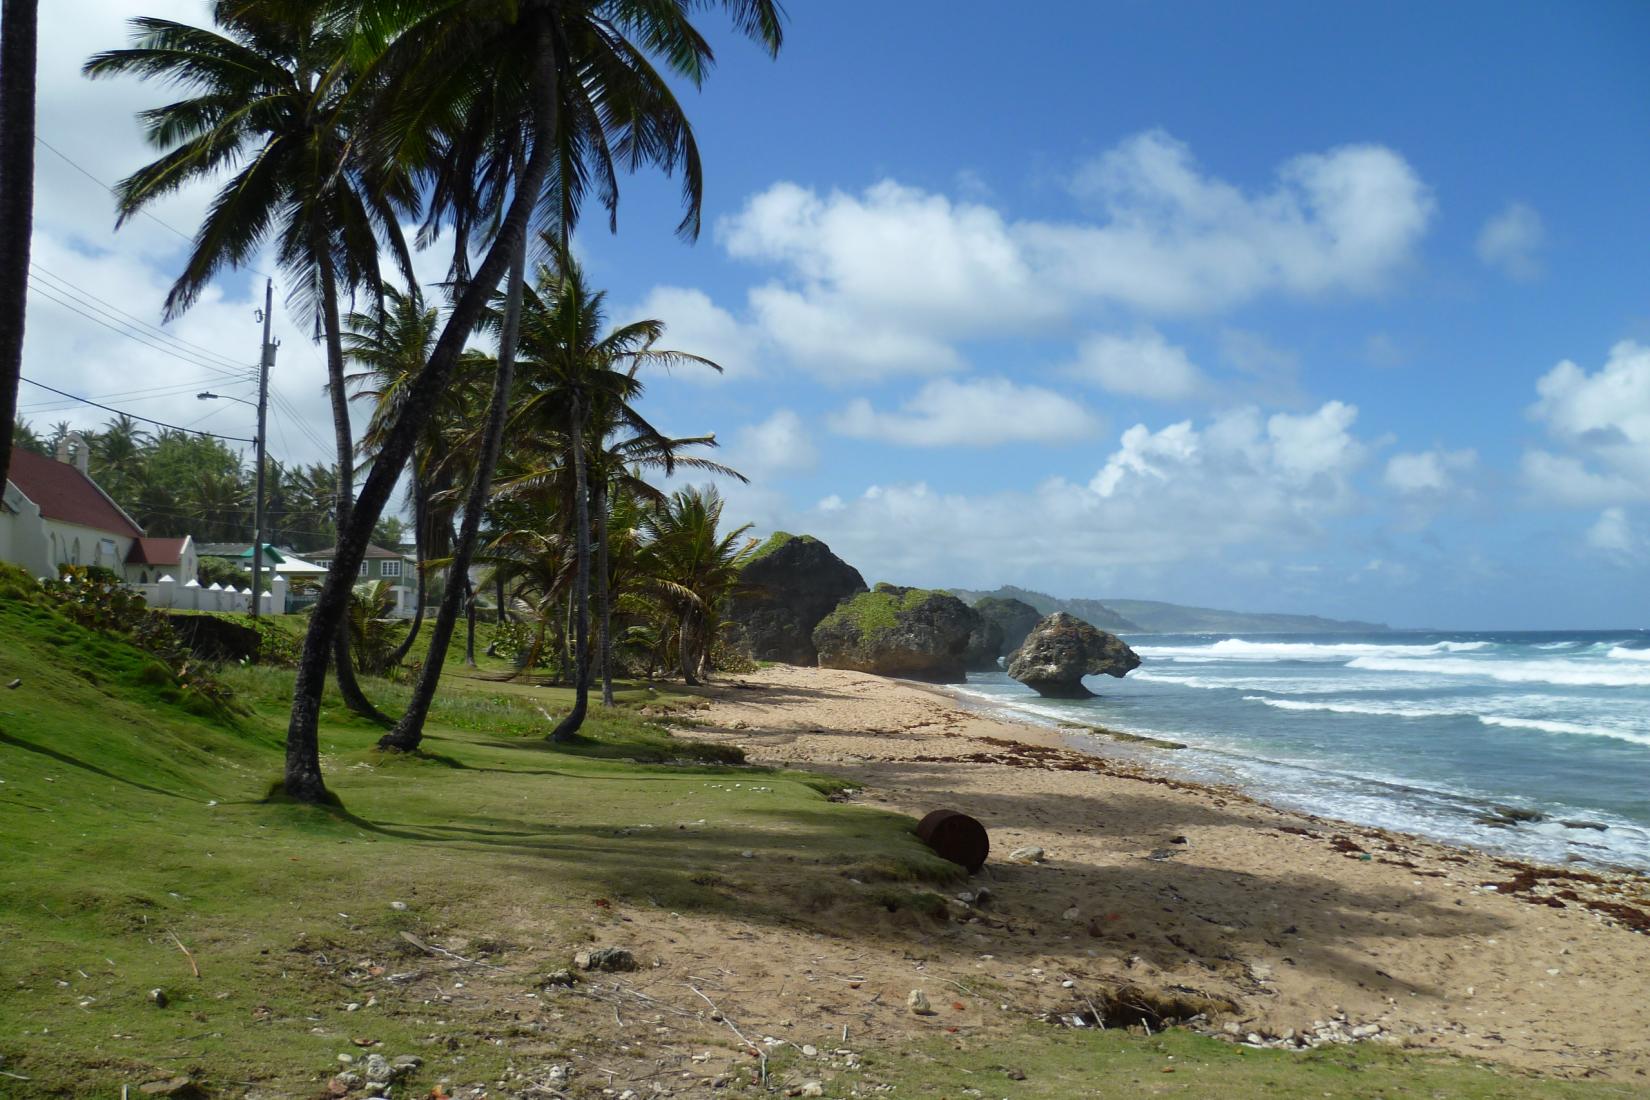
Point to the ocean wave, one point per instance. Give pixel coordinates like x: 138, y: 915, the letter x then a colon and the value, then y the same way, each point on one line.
x: 1237, y: 649
x: 1626, y: 653
x: 1561, y: 672
x: 1399, y: 710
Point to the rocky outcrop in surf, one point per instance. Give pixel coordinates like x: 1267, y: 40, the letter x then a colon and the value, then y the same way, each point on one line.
x: 1014, y: 618
x: 1063, y: 649
x: 915, y: 633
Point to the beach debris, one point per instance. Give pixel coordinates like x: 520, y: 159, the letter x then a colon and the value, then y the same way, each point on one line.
x: 605, y: 958
x: 1028, y: 854
x: 917, y: 1002
x: 955, y: 837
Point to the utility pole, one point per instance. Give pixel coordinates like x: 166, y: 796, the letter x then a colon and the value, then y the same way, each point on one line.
x: 265, y: 362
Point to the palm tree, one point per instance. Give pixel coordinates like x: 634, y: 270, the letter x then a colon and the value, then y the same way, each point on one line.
x: 391, y: 342
x: 19, y: 45
x: 540, y: 100
x: 271, y: 90
x: 693, y: 568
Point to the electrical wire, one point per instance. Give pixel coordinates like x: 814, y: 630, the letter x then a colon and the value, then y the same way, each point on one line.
x: 71, y: 306
x: 134, y: 416
x: 87, y: 298
x: 152, y: 393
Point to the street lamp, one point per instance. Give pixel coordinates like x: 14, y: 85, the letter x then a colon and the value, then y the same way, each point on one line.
x: 258, y: 500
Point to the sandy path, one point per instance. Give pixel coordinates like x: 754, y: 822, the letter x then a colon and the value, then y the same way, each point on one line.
x: 1292, y: 918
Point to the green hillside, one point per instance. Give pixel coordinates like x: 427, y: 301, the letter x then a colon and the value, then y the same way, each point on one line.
x: 1155, y: 617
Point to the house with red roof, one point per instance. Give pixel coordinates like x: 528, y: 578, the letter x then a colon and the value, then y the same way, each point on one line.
x: 54, y: 514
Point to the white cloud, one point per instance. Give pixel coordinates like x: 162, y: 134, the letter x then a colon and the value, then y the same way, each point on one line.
x: 1511, y: 242
x: 890, y: 279
x: 1177, y: 240
x: 970, y: 413
x: 1142, y: 365
x: 1603, y: 420
x: 1181, y: 492
x: 1428, y: 473
x: 778, y: 445
x: 698, y: 326
x: 1613, y: 536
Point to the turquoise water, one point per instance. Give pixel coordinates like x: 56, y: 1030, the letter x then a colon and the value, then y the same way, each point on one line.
x: 1427, y: 733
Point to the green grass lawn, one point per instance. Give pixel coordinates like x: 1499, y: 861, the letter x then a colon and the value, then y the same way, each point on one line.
x: 138, y: 842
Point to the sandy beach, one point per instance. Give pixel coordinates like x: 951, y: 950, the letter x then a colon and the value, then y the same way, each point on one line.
x: 1301, y: 925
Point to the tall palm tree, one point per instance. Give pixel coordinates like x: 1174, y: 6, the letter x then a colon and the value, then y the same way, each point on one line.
x: 19, y: 46
x: 541, y: 100
x: 271, y: 90
x: 693, y: 568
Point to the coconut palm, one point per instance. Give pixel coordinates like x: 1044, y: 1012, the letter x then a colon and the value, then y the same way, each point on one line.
x: 270, y: 90
x: 541, y: 100
x: 19, y: 46
x: 692, y: 568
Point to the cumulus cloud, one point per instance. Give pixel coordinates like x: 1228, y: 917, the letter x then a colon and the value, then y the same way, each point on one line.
x: 1613, y: 536
x: 891, y: 278
x: 778, y: 445
x: 1182, y: 491
x: 1428, y: 473
x: 1603, y: 422
x: 1142, y: 365
x: 698, y: 326
x: 970, y: 413
x: 1511, y: 241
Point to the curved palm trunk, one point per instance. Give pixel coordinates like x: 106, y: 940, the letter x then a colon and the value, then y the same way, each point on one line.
x: 604, y: 602
x: 409, y: 731
x: 421, y: 540
x: 19, y: 46
x: 685, y: 651
x: 343, y: 439
x: 469, y: 622
x: 303, y: 758
x: 569, y: 726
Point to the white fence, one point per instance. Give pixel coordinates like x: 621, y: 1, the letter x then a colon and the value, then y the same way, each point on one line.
x: 190, y: 596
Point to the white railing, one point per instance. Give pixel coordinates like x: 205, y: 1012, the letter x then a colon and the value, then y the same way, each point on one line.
x: 190, y: 596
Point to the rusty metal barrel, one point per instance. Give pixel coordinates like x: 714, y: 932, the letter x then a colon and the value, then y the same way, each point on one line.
x: 956, y: 837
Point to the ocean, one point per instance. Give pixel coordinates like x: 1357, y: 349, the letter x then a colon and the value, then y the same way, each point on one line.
x: 1531, y: 744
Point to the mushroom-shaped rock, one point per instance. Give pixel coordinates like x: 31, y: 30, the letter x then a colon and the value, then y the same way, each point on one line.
x: 1063, y: 649
x: 915, y: 633
x: 789, y: 584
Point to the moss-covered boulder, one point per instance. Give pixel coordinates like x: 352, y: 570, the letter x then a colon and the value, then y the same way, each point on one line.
x: 1014, y: 618
x: 788, y: 586
x: 1062, y: 650
x: 915, y: 633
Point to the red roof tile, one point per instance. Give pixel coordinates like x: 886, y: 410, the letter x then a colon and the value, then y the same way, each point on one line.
x: 64, y: 493
x: 156, y: 552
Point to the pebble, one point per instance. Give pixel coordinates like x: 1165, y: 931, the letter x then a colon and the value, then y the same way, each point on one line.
x: 398, y: 906
x: 917, y: 1002
x: 379, y: 1069
x: 605, y: 958
x: 809, y: 1050
x: 158, y: 997
x: 1029, y: 854
x: 1070, y: 914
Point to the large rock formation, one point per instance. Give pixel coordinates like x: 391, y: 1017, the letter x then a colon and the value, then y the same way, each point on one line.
x: 1015, y: 618
x: 1063, y: 649
x: 985, y: 644
x: 892, y: 631
x: 791, y: 583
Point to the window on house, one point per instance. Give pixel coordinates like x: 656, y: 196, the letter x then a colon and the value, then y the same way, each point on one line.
x: 363, y: 570
x: 389, y: 569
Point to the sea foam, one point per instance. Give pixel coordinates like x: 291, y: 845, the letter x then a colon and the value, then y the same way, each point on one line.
x: 1561, y: 672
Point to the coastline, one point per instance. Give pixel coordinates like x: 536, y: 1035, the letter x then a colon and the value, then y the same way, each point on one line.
x: 1308, y: 926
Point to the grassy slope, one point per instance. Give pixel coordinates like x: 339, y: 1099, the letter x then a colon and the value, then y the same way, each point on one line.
x: 129, y: 825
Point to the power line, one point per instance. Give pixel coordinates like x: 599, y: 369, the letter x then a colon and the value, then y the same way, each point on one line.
x: 65, y: 158
x: 134, y: 416
x: 46, y: 291
x: 87, y: 298
x: 150, y: 393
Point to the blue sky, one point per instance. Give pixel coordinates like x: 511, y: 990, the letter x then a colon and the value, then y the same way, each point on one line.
x: 1260, y: 307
